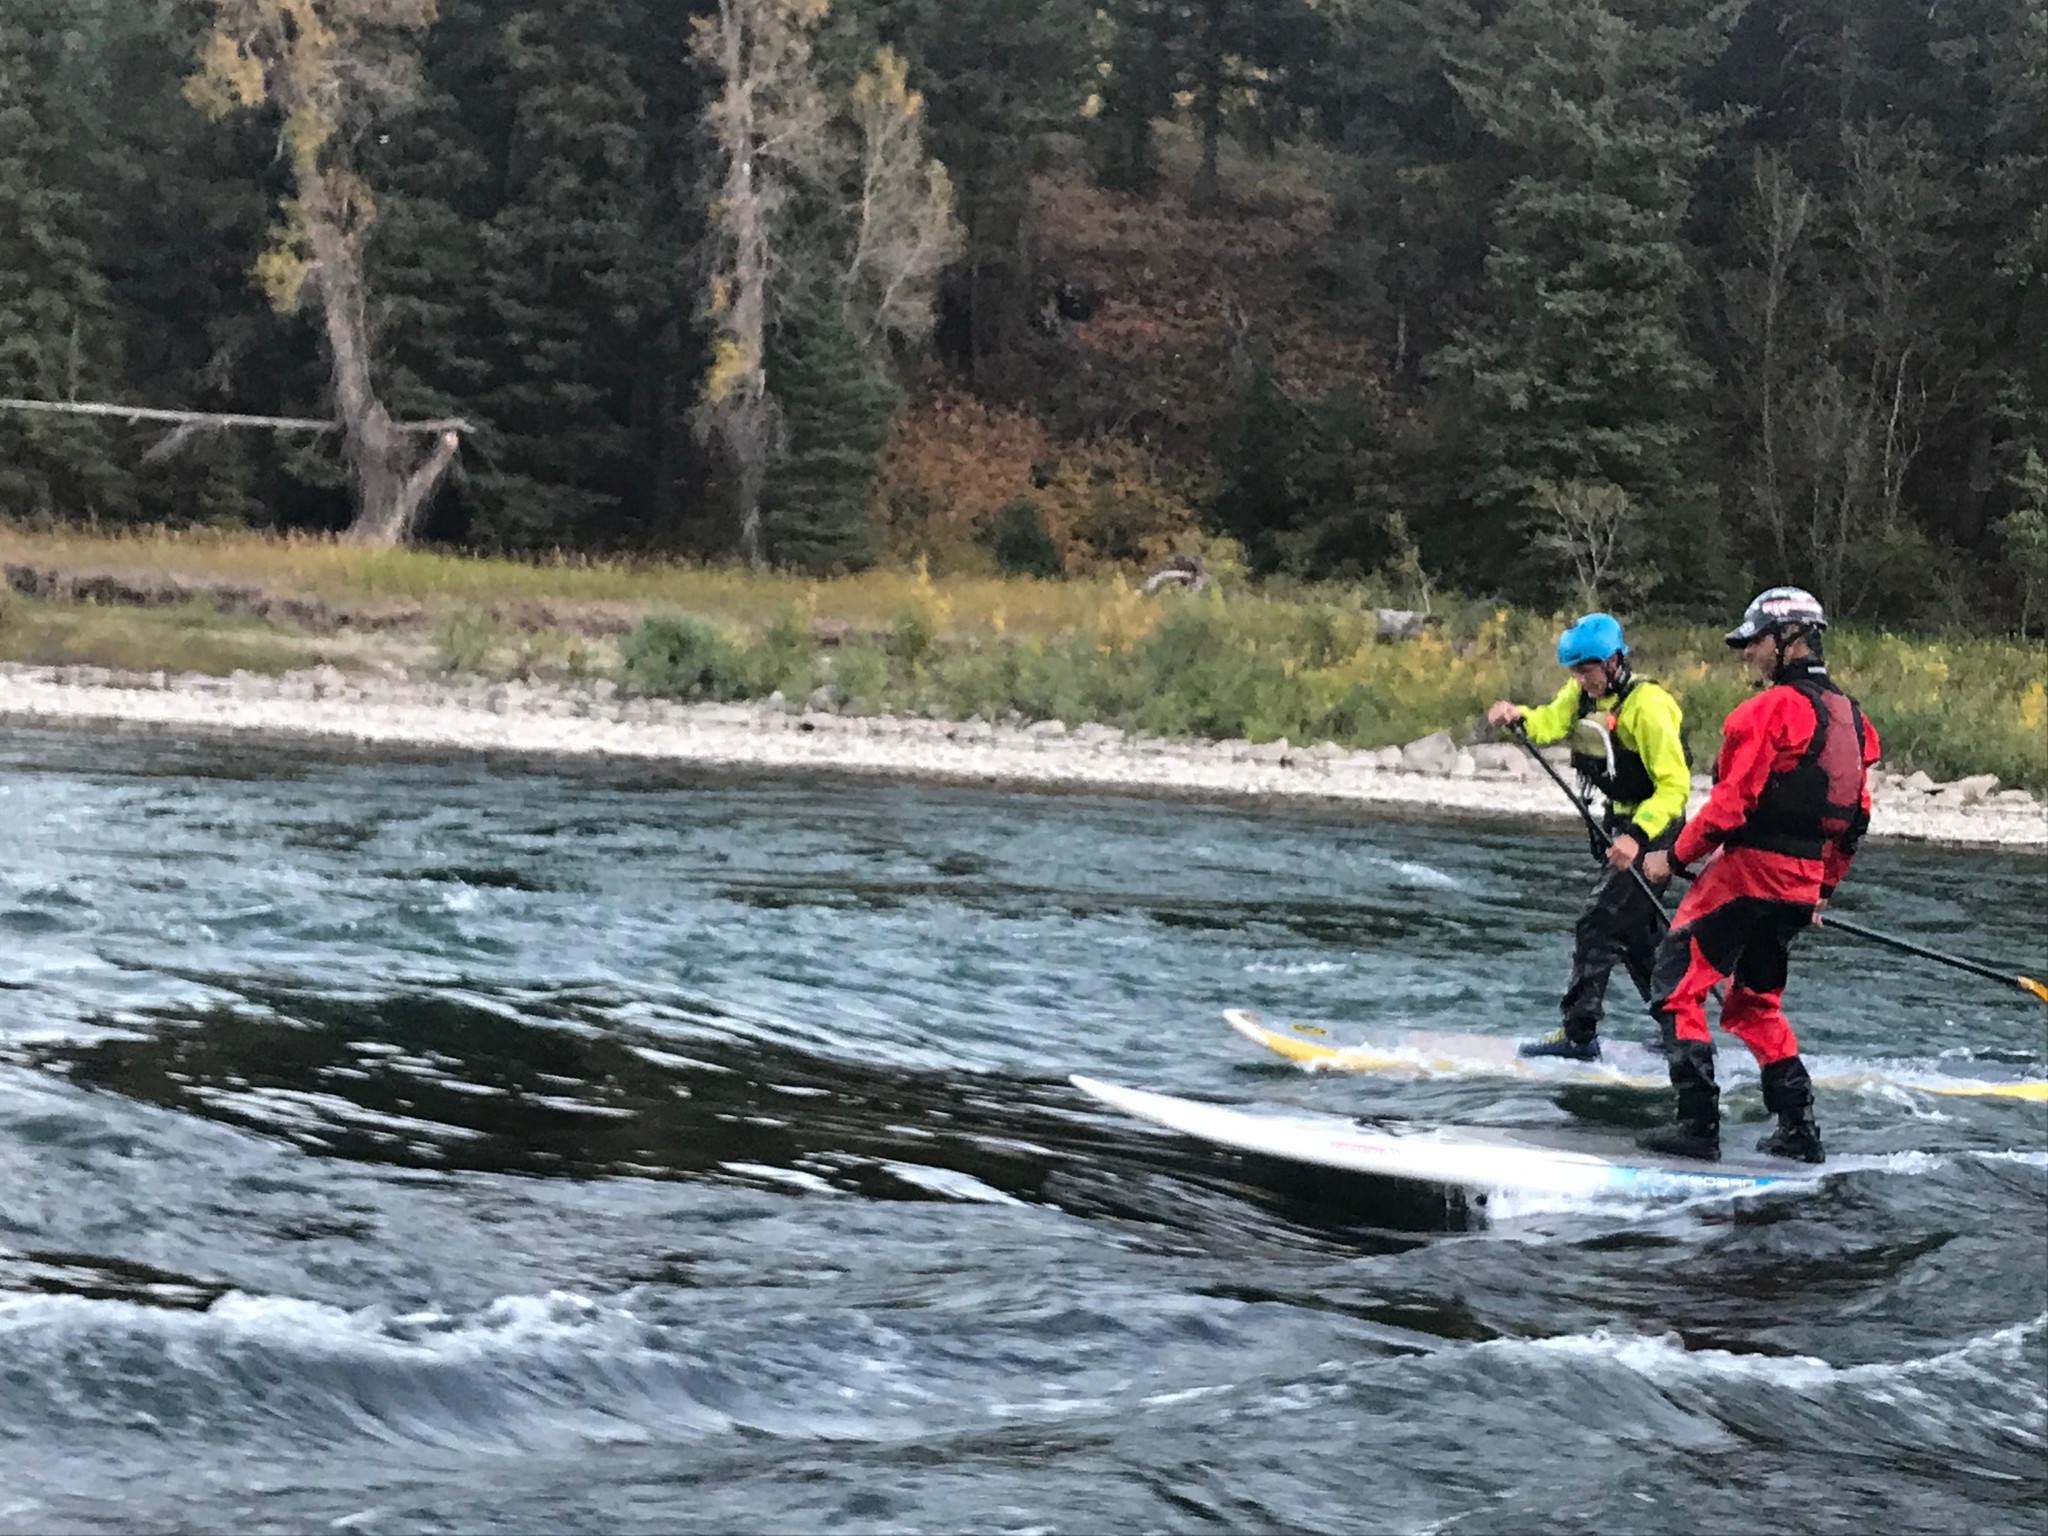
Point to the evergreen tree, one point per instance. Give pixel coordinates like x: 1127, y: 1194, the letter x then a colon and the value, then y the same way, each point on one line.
x: 1237, y: 63
x: 441, y: 166
x: 1308, y: 488
x: 1984, y: 93
x: 1871, y: 395
x: 1238, y: 54
x: 1255, y: 504
x: 1580, y: 369
x: 835, y: 415
x: 58, y: 335
x: 527, y: 251
x: 175, y: 206
x: 1521, y: 187
x: 576, y: 280
x: 1138, y: 77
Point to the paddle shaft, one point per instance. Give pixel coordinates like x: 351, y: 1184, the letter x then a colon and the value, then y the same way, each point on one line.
x: 1905, y: 946
x: 1601, y: 835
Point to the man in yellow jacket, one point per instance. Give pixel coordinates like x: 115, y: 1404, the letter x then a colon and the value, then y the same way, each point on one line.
x: 1628, y: 741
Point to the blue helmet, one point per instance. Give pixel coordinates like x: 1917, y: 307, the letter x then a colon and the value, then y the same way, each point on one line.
x: 1594, y: 638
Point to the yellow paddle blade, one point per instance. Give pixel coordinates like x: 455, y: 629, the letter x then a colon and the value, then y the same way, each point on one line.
x: 2028, y: 984
x: 2035, y: 1089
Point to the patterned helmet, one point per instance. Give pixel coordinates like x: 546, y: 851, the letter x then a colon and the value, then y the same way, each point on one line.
x: 1777, y: 610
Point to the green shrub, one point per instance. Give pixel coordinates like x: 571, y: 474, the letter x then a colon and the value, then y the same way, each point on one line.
x: 978, y: 680
x: 1952, y: 707
x: 1308, y: 667
x: 785, y: 659
x: 861, y: 671
x: 465, y: 640
x: 1204, y: 675
x: 550, y: 653
x: 682, y: 658
x: 914, y: 635
x: 1021, y: 543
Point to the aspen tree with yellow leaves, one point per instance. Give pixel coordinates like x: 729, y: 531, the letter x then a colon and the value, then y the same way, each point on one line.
x: 905, y: 231
x: 327, y: 67
x: 768, y: 120
x: 778, y: 137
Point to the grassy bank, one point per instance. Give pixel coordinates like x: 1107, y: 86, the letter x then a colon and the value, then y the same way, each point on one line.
x: 348, y: 576
x: 1309, y: 669
x: 1299, y: 663
x: 191, y: 637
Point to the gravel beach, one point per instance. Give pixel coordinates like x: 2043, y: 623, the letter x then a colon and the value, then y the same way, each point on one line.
x: 592, y: 720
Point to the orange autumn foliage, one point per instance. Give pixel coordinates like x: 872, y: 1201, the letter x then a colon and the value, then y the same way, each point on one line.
x: 952, y: 461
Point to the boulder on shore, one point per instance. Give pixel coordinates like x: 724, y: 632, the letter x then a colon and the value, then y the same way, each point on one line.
x: 1968, y: 791
x: 1499, y: 758
x: 1435, y: 753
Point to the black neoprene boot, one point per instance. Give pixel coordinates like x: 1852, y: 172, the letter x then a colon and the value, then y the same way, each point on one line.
x: 1697, y: 1130
x: 1578, y: 1040
x: 1788, y: 1094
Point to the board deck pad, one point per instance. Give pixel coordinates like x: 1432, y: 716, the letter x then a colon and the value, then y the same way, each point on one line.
x: 1477, y: 1158
x: 1622, y: 1063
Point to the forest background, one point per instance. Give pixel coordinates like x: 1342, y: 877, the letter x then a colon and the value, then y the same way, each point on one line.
x: 1648, y: 301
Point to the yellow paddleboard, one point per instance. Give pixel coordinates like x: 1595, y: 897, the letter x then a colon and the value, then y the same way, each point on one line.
x: 1623, y: 1064
x: 1425, y: 1053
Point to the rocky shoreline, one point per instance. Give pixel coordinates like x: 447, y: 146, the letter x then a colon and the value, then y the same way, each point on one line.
x: 592, y: 720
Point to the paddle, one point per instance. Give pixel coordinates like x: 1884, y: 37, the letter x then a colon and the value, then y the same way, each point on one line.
x: 2024, y: 983
x: 1600, y: 833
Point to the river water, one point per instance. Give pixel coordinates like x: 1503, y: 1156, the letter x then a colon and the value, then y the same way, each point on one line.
x: 436, y: 1147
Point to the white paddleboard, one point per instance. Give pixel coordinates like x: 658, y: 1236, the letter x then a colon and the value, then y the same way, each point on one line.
x: 1458, y: 1157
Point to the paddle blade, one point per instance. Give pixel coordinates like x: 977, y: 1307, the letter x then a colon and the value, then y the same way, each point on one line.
x: 2028, y: 984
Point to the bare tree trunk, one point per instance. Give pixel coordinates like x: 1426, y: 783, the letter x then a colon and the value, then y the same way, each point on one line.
x: 392, y: 481
x: 1780, y: 214
x: 775, y: 132
x: 1209, y: 108
x: 742, y: 411
x: 1786, y: 204
x: 316, y: 63
x: 759, y: 51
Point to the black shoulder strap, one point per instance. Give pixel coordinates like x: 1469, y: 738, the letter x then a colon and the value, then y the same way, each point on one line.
x: 1810, y: 688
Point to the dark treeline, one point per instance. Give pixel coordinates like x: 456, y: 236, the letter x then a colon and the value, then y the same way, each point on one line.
x: 1662, y: 299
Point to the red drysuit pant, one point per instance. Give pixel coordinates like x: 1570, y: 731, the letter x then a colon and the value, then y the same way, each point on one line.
x: 1735, y: 925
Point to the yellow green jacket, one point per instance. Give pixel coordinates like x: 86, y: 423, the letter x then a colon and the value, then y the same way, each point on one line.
x: 1650, y: 724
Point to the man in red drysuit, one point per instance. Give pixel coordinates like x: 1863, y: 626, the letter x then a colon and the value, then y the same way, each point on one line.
x: 1789, y: 805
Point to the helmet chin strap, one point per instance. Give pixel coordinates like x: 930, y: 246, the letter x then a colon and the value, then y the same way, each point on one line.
x: 1780, y: 638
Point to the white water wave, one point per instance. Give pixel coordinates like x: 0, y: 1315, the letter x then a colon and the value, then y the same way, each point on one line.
x: 949, y: 1183
x: 1413, y: 873
x: 1984, y: 1398
x: 1665, y: 1355
x: 525, y: 1371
